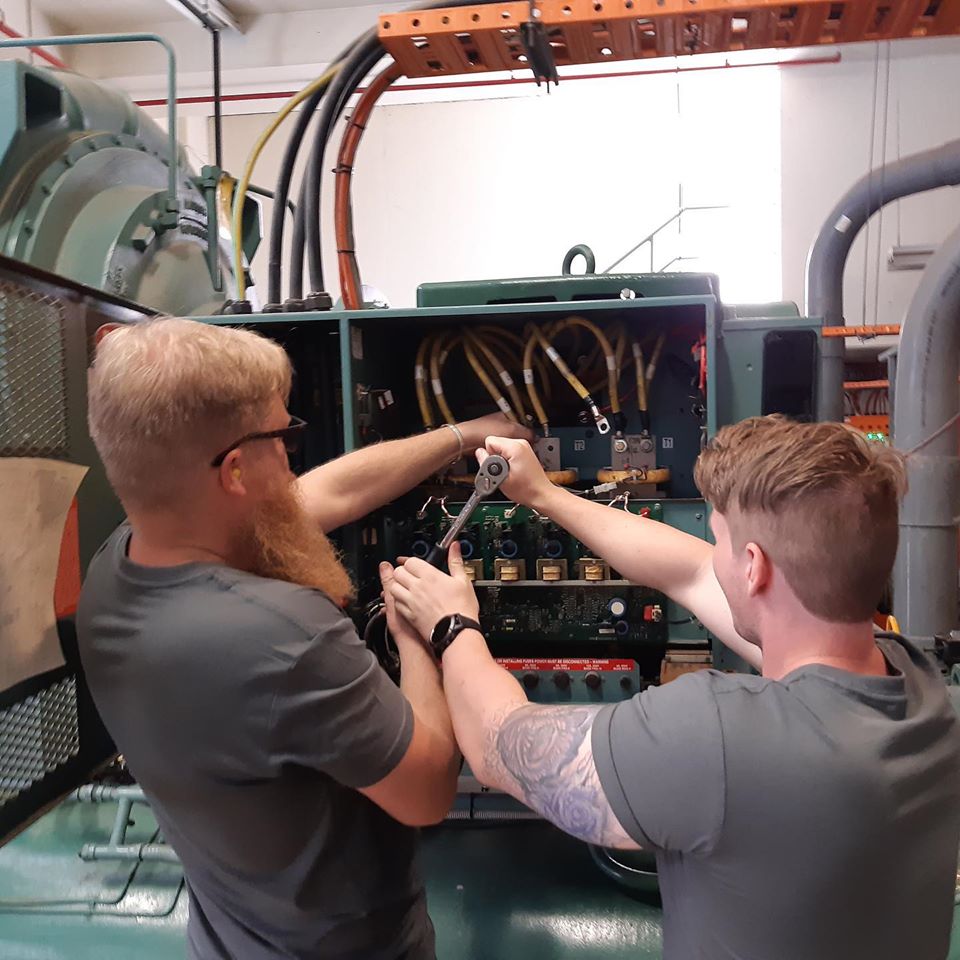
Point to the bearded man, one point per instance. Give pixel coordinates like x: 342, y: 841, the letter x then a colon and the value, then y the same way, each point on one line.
x: 283, y: 766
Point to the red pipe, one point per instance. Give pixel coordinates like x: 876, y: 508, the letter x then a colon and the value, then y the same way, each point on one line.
x: 510, y: 81
x: 42, y: 54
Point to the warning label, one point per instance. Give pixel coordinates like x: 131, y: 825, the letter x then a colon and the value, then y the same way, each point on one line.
x: 570, y: 664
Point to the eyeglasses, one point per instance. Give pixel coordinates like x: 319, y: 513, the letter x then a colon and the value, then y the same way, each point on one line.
x: 291, y: 435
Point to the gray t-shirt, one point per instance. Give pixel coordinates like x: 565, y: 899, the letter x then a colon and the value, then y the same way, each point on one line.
x: 249, y: 710
x: 812, y: 818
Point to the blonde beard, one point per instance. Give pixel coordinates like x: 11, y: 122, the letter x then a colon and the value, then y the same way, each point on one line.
x: 285, y: 544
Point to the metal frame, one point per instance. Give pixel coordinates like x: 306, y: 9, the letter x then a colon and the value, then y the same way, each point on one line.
x: 488, y: 37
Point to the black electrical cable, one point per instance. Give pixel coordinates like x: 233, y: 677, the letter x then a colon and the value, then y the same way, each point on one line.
x: 295, y: 282
x: 282, y: 192
x: 363, y: 58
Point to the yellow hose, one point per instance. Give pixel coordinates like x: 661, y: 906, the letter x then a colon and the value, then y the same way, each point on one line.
x: 254, y: 155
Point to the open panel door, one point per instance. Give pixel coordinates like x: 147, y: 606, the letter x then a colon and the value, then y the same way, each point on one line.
x: 51, y: 738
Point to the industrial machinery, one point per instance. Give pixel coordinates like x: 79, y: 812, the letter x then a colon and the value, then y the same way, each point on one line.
x: 623, y: 376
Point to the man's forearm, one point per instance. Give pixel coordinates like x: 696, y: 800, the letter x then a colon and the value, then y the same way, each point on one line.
x: 480, y: 695
x: 539, y: 754
x: 653, y: 554
x: 421, y: 684
x: 349, y: 488
x: 645, y: 551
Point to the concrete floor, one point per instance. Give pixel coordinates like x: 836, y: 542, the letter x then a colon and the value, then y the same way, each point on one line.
x: 514, y: 890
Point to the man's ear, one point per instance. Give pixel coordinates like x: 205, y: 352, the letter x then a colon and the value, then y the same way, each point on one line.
x: 759, y: 569
x: 102, y: 332
x: 231, y: 474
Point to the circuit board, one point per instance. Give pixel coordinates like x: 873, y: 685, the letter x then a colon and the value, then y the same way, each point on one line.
x: 505, y: 542
x: 572, y: 617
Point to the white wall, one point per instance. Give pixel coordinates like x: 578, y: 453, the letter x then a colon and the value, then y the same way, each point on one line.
x: 503, y: 186
x: 23, y: 17
x: 826, y: 120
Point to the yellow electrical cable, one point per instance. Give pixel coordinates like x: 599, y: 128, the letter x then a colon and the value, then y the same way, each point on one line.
x: 439, y: 352
x: 420, y: 381
x: 489, y: 385
x: 642, y: 395
x: 501, y: 370
x: 253, y: 156
x: 655, y: 358
x: 501, y: 333
x: 529, y: 380
x: 621, y: 348
x: 608, y: 351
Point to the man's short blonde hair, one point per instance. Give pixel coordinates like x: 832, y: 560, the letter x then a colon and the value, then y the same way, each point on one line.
x: 166, y: 395
x: 819, y: 498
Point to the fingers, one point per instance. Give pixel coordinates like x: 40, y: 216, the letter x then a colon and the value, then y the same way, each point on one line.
x: 386, y: 574
x: 481, y: 455
x: 505, y: 446
x: 455, y: 560
x: 398, y: 595
x: 403, y: 577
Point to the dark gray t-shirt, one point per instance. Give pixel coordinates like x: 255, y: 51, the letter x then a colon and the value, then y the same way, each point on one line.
x: 814, y: 818
x: 249, y: 710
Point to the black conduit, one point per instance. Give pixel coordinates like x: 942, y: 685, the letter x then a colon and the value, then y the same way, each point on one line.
x: 358, y: 61
x: 295, y: 283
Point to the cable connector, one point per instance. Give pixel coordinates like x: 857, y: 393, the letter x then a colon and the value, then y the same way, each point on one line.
x: 600, y: 421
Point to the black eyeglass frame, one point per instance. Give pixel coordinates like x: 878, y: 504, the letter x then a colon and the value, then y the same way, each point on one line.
x: 291, y: 435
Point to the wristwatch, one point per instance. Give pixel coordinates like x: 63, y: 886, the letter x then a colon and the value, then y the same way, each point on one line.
x: 447, y: 630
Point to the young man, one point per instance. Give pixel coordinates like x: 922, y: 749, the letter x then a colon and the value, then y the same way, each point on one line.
x: 812, y: 812
x: 282, y: 764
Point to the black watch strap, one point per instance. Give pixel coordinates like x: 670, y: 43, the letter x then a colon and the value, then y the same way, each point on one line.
x: 448, y: 629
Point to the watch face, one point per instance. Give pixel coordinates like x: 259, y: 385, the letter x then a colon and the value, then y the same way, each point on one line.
x: 441, y: 630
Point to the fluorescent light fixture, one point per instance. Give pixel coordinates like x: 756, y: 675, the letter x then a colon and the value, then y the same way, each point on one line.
x: 215, y: 12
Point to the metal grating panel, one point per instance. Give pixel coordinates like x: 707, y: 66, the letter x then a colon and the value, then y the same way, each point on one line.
x: 33, y: 397
x: 483, y: 38
x: 38, y: 735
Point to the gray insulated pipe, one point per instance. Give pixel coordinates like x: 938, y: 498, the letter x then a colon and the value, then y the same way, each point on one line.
x: 928, y: 399
x: 828, y: 255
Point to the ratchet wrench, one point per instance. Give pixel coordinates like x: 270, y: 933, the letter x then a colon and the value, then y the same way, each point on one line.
x: 491, y: 475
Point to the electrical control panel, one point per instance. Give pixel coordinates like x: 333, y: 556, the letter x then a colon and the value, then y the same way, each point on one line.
x: 622, y: 378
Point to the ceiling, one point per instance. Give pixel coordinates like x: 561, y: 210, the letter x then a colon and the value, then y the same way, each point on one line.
x: 97, y: 16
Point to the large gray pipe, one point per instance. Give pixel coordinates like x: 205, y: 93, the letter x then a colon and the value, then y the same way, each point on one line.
x: 828, y: 255
x: 925, y: 575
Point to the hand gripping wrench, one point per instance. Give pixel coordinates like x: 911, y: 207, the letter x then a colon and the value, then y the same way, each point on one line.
x: 491, y: 475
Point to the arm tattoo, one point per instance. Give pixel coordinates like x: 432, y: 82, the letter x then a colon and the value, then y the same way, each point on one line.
x: 545, y: 751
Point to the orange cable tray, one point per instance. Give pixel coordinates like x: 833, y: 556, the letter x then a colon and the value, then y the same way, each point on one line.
x: 485, y: 38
